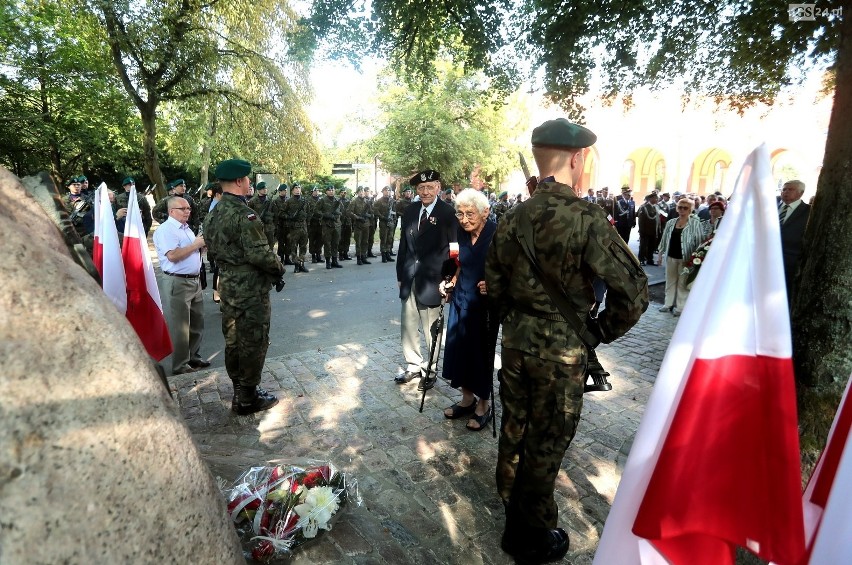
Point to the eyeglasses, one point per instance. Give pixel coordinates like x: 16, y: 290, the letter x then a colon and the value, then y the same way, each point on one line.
x: 184, y: 208
x: 468, y: 215
x: 425, y: 187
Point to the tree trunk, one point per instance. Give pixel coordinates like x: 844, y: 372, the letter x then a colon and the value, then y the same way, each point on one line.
x: 822, y: 308
x: 207, y: 148
x: 148, y: 113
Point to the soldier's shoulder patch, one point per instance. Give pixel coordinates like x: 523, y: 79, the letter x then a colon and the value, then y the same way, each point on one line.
x: 251, y: 217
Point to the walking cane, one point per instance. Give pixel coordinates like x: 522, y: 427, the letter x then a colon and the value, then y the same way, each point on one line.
x: 437, y: 330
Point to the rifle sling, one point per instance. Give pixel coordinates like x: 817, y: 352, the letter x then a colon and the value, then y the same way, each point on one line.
x: 557, y: 296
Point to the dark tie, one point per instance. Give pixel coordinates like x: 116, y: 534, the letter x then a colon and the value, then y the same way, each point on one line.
x: 783, y: 213
x: 422, y: 223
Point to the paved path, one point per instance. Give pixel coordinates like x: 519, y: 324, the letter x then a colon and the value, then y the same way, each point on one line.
x: 427, y: 483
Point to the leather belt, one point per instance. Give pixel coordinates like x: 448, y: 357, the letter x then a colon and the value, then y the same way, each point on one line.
x: 180, y: 275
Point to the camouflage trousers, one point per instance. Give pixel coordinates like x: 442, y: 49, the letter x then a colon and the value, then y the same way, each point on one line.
x: 541, y: 408
x: 297, y: 243
x: 245, y: 325
x: 330, y: 240
x: 315, y: 238
x: 269, y: 230
x: 386, y: 236
x: 362, y: 232
x: 282, y: 235
x: 345, y: 237
x: 371, y: 237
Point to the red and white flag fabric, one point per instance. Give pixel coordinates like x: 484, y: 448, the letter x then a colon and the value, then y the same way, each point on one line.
x: 144, y: 309
x: 715, y: 461
x: 828, y: 511
x: 106, y: 253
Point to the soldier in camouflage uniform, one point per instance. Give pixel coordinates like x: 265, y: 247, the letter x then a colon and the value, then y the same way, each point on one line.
x: 315, y: 227
x: 177, y: 188
x: 400, y: 207
x: 83, y: 219
x: 119, y: 206
x: 372, y: 222
x: 262, y: 205
x: 502, y: 206
x: 345, y: 227
x: 328, y: 210
x: 384, y: 211
x: 247, y: 270
x: 281, y: 230
x: 543, y: 358
x: 294, y: 215
x: 359, y: 214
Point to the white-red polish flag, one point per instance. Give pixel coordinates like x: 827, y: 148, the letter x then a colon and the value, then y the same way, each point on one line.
x: 828, y: 511
x: 106, y: 253
x: 715, y: 461
x: 144, y: 309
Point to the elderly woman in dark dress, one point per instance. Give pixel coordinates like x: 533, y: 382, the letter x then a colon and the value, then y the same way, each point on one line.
x: 469, y: 353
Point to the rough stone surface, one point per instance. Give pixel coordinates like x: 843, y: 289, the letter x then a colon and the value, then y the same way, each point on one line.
x: 96, y: 463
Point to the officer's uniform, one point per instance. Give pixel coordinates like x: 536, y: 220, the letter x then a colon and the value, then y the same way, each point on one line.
x: 328, y: 210
x: 294, y: 215
x: 360, y: 215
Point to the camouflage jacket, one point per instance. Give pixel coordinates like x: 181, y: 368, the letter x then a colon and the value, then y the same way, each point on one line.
x: 236, y: 241
x: 328, y: 210
x: 313, y: 217
x: 573, y: 242
x: 359, y: 211
x: 401, y: 205
x: 120, y: 202
x: 296, y: 211
x: 344, y: 211
x: 161, y: 212
x: 263, y: 208
x: 384, y: 210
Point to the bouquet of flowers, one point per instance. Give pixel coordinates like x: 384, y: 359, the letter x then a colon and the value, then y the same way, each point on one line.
x: 277, y: 508
x: 693, y: 264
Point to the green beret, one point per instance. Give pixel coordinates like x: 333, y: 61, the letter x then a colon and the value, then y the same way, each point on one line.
x: 82, y: 178
x: 128, y: 180
x: 72, y: 180
x: 329, y: 187
x: 502, y: 195
x: 176, y: 182
x: 260, y: 186
x: 448, y: 191
x: 283, y: 186
x: 233, y: 169
x: 407, y: 189
x: 314, y: 188
x: 560, y: 133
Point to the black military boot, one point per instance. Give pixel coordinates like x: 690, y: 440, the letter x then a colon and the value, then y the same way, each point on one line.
x: 251, y: 401
x: 340, y: 257
x: 364, y: 258
x: 302, y: 267
x: 358, y: 257
x: 532, y: 545
x: 346, y: 257
x: 328, y: 263
x: 391, y: 253
x: 390, y: 259
x: 287, y: 260
x: 314, y: 258
x: 296, y: 268
x: 335, y: 264
x: 370, y: 253
x: 384, y: 257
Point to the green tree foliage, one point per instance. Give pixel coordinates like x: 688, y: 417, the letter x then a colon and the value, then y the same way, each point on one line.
x: 61, y: 107
x: 452, y: 126
x: 171, y: 52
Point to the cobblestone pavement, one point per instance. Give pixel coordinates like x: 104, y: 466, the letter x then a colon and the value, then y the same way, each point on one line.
x: 427, y: 483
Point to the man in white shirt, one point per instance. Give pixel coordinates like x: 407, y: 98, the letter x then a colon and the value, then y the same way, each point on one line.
x: 179, y: 251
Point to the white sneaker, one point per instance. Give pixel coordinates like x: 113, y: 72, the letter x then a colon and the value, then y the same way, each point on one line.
x: 666, y: 309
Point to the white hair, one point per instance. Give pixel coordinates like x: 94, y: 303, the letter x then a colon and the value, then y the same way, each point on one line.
x: 471, y: 197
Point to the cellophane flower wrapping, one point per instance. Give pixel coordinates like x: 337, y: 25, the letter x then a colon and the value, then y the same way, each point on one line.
x: 692, y: 265
x: 277, y: 508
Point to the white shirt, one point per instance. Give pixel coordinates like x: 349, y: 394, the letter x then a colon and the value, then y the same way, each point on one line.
x: 428, y: 209
x: 173, y: 235
x: 790, y: 208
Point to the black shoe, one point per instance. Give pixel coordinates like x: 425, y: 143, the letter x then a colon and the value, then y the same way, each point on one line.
x: 598, y: 384
x: 335, y: 264
x: 406, y: 377
x: 538, y: 546
x: 390, y: 259
x: 314, y: 258
x: 296, y: 268
x: 364, y: 259
x: 287, y: 260
x: 260, y: 392
x: 198, y: 363
x: 328, y: 263
x: 384, y: 257
x: 358, y: 257
x: 346, y: 257
x: 302, y: 268
x: 258, y: 404
x: 370, y: 254
x: 392, y: 254
x: 426, y: 383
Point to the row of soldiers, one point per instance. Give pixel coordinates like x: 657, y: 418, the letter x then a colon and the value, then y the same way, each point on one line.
x: 322, y: 226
